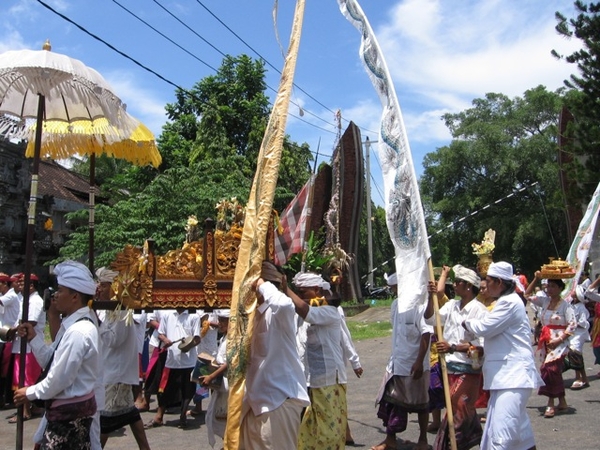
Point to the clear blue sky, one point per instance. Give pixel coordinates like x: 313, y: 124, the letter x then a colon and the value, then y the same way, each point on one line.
x: 441, y: 55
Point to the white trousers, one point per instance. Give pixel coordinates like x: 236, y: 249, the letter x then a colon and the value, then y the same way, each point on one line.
x: 508, y: 426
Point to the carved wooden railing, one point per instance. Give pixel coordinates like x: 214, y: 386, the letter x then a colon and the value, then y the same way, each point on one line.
x: 198, y: 275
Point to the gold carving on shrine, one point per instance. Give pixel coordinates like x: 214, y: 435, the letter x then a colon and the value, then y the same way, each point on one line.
x: 210, y: 290
x: 181, y: 264
x: 227, y: 245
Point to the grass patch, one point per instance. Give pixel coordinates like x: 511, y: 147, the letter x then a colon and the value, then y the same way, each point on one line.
x: 364, y: 330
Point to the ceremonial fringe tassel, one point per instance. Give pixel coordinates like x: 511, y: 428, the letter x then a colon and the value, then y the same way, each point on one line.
x: 252, y: 247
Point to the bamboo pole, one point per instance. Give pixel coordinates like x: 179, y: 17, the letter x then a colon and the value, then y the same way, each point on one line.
x: 442, y: 359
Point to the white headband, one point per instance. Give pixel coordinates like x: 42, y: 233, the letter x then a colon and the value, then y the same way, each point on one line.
x: 76, y: 276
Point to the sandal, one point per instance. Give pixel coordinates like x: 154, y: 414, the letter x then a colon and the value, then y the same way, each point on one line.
x: 14, y: 419
x: 549, y: 413
x: 578, y: 384
x: 152, y: 424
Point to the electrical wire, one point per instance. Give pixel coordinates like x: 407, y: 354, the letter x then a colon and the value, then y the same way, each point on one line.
x: 222, y: 54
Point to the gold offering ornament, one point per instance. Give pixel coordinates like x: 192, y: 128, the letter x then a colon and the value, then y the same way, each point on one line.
x: 484, y: 251
x: 557, y: 269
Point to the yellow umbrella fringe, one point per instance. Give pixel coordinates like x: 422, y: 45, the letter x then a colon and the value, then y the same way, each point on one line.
x: 60, y: 139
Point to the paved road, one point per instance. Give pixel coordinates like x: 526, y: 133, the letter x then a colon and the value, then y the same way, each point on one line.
x: 574, y: 430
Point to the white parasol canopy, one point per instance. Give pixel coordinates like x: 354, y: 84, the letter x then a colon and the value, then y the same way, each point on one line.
x: 73, y: 92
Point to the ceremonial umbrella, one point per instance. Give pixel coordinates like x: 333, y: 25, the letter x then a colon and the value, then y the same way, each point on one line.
x: 60, y: 140
x: 47, y: 87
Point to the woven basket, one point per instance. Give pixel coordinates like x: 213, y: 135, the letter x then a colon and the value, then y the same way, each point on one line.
x: 557, y: 276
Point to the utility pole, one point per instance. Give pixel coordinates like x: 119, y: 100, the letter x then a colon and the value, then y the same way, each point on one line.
x: 369, y: 219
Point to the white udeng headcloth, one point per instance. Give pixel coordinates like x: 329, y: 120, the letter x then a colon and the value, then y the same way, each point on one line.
x: 309, y: 279
x: 76, y: 276
x: 105, y: 275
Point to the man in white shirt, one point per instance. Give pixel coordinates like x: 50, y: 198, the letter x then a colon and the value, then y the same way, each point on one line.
x: 37, y: 318
x: 120, y: 361
x: 9, y: 314
x: 158, y: 356
x: 174, y: 327
x: 407, y: 374
x: 72, y: 362
x: 326, y: 370
x: 275, y: 383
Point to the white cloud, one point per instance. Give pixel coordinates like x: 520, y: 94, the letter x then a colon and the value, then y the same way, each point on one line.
x: 142, y: 103
x: 442, y: 55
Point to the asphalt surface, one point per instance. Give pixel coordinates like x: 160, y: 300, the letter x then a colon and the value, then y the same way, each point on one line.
x: 575, y: 429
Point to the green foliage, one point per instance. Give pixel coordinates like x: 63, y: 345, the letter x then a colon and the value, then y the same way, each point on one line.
x: 499, y: 145
x: 160, y: 212
x: 362, y: 330
x: 383, y: 249
x: 583, y: 134
x: 314, y: 261
x: 209, y: 149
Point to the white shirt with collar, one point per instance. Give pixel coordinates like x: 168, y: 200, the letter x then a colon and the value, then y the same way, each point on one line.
x: 509, y: 361
x: 408, y: 325
x: 156, y: 315
x: 36, y: 314
x: 274, y: 373
x: 75, y: 366
x: 176, y: 326
x: 12, y: 307
x: 452, y: 317
x: 324, y: 354
x: 119, y: 350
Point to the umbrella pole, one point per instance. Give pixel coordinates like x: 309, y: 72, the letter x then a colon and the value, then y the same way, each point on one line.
x: 31, y: 214
x: 92, y: 206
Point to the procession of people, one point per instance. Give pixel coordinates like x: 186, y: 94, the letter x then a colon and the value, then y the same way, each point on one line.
x: 86, y: 378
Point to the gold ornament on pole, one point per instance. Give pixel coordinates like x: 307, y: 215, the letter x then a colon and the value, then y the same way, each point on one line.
x: 484, y: 251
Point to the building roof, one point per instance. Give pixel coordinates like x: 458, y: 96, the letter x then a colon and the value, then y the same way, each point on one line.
x: 61, y: 183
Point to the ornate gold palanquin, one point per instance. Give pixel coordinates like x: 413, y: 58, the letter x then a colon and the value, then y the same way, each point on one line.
x: 198, y: 275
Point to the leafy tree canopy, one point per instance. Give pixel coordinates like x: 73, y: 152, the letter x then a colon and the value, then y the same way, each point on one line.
x: 499, y: 146
x: 209, y: 148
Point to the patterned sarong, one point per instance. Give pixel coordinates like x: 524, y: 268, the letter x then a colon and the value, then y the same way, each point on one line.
x: 436, y: 388
x: 68, y: 435
x: 119, y: 408
x: 324, y: 422
x: 464, y: 392
x: 154, y: 371
x: 551, y: 373
x: 403, y: 395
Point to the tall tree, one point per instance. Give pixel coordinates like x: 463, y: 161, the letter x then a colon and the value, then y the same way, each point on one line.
x: 582, y: 102
x: 499, y: 146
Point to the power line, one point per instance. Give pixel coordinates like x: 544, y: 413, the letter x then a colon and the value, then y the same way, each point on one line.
x: 164, y: 35
x: 473, y: 213
x: 153, y: 72
x: 266, y: 61
x: 113, y: 48
x: 222, y: 54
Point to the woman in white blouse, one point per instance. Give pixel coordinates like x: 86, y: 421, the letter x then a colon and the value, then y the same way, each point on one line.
x: 558, y: 325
